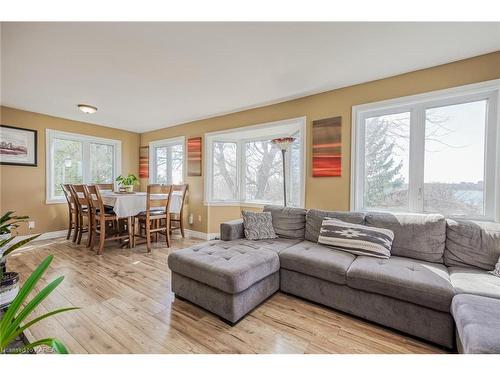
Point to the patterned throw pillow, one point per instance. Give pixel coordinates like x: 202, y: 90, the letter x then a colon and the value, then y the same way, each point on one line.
x: 356, y: 238
x: 258, y: 225
x: 496, y: 271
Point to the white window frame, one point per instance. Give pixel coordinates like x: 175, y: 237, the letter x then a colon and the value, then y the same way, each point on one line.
x: 86, y: 140
x: 257, y: 131
x: 165, y: 143
x: 417, y: 105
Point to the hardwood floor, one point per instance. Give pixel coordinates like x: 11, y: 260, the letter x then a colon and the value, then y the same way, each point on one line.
x: 127, y: 307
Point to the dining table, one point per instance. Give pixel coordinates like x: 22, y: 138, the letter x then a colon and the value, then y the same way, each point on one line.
x: 130, y: 204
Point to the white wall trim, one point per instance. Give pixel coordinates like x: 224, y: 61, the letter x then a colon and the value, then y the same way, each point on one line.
x: 415, y: 104
x: 213, y: 136
x: 201, y: 235
x: 44, y: 236
x: 50, y: 134
x: 166, y: 142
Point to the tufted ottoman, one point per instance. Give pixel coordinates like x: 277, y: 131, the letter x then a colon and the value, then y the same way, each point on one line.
x: 228, y: 278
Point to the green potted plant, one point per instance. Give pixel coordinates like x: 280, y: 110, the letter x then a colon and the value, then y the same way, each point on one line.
x: 127, y: 183
x: 9, y: 281
x: 12, y: 323
x: 14, y: 300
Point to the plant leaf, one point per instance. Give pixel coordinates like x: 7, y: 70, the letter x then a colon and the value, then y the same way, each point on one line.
x: 31, y: 306
x: 17, y: 245
x: 22, y: 295
x: 6, y: 217
x: 6, y: 241
x: 36, y: 320
x: 55, y: 344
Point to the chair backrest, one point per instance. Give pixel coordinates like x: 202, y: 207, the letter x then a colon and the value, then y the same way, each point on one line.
x: 105, y: 186
x: 69, y: 197
x: 78, y: 192
x: 154, y: 201
x: 94, y: 197
x: 183, y: 190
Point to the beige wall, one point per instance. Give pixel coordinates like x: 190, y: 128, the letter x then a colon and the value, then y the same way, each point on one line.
x: 23, y: 188
x: 326, y: 193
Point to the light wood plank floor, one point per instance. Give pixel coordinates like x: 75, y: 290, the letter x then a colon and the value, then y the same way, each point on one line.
x: 127, y: 307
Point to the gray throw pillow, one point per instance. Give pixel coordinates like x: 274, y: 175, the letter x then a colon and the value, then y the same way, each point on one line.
x: 356, y: 238
x: 496, y: 271
x: 258, y: 225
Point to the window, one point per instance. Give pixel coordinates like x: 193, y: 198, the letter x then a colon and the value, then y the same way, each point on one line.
x: 434, y: 152
x: 77, y: 159
x: 166, y: 161
x: 243, y: 167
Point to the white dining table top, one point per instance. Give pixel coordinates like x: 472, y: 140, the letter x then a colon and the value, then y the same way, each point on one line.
x: 130, y: 204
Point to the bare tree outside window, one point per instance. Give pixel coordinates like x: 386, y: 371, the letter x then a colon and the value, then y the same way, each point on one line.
x: 454, y: 160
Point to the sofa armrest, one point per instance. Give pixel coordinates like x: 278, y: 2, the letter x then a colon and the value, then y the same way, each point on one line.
x: 232, y: 230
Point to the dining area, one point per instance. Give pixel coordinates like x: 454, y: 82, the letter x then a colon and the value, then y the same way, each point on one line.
x: 131, y: 218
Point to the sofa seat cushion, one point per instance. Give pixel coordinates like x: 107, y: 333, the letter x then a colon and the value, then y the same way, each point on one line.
x: 230, y: 266
x: 478, y: 323
x: 316, y: 260
x: 417, y: 236
x: 423, y: 283
x: 474, y: 281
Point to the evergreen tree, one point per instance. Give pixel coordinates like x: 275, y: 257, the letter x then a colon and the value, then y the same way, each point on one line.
x: 381, y: 170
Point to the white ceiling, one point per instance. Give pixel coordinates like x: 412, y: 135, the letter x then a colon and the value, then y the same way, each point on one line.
x: 145, y: 76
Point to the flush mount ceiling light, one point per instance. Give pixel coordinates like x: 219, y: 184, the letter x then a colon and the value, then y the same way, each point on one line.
x: 85, y: 108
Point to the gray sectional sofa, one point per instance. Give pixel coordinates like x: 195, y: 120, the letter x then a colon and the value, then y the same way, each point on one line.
x: 433, y: 260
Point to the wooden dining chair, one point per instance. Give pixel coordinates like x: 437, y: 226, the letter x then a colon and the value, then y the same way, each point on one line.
x: 101, y: 217
x: 84, y: 223
x: 156, y: 218
x: 177, y: 219
x: 72, y: 212
x: 107, y: 187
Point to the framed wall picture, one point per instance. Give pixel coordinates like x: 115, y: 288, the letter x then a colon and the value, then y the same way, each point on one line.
x: 327, y: 147
x: 194, y: 156
x: 144, y: 162
x: 18, y: 146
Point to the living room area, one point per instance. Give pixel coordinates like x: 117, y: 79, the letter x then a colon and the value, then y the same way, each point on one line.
x: 250, y: 188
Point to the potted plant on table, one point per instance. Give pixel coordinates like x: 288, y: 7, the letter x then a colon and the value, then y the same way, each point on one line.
x: 127, y: 183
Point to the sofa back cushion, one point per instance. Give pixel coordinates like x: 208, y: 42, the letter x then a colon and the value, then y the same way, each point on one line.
x: 288, y: 222
x: 417, y: 236
x: 314, y: 220
x: 472, y: 244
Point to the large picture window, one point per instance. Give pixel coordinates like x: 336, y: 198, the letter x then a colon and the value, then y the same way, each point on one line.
x: 435, y: 152
x: 76, y: 159
x: 167, y: 161
x: 243, y: 167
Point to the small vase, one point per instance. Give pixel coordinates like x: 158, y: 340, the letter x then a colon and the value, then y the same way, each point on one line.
x: 129, y: 188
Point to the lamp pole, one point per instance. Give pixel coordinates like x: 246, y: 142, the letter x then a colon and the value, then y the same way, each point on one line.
x: 283, y: 144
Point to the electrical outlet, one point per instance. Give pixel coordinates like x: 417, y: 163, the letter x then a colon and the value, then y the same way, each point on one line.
x: 31, y: 225
x: 199, y: 218
x: 191, y: 219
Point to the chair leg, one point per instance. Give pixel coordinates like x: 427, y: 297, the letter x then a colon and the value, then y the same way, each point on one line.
x: 94, y: 235
x: 80, y: 231
x: 167, y: 232
x: 77, y: 227
x: 70, y: 225
x: 133, y: 232
x: 102, y: 237
x: 148, y: 234
x: 181, y: 225
x: 130, y: 233
x: 90, y: 232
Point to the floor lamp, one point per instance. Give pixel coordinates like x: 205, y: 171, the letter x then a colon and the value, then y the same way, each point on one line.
x: 283, y: 144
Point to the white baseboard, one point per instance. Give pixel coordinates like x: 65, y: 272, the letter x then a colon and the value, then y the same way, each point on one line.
x: 44, y: 236
x: 62, y: 233
x: 204, y: 236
